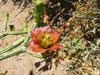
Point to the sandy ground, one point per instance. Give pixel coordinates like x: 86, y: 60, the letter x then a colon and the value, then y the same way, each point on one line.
x: 23, y: 64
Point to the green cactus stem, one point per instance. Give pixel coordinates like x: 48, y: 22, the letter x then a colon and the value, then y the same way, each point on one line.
x: 39, y: 55
x: 12, y: 33
x: 13, y: 53
x: 6, y: 16
x: 38, y: 11
x: 24, y: 24
x: 12, y: 46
